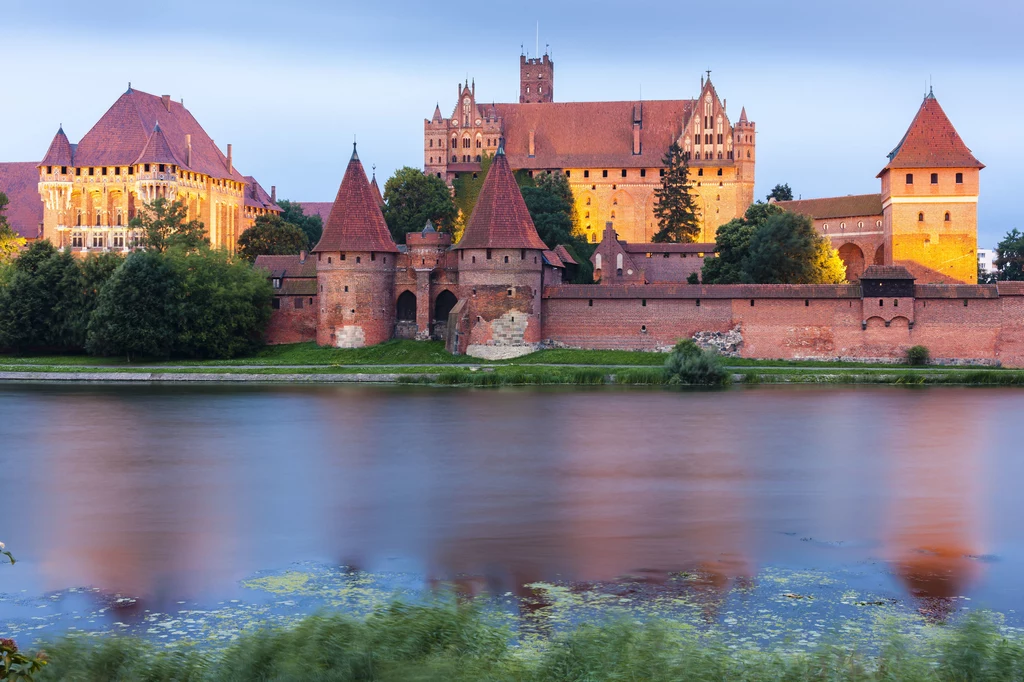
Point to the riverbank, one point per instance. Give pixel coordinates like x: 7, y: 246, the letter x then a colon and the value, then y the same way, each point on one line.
x: 453, y: 642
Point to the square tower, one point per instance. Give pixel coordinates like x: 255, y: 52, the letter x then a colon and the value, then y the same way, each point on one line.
x: 536, y: 79
x: 930, y: 200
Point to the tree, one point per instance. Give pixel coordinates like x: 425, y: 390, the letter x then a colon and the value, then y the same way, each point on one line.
x: 731, y: 244
x: 549, y: 200
x: 43, y: 306
x: 224, y: 304
x: 1010, y: 257
x: 11, y: 242
x: 780, y: 193
x: 312, y: 225
x: 166, y: 224
x: 675, y: 207
x: 467, y: 188
x: 137, y: 310
x: 270, y: 235
x: 786, y: 249
x: 412, y: 198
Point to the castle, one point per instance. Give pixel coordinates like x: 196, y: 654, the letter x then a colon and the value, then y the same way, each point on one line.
x: 82, y: 196
x: 610, y: 152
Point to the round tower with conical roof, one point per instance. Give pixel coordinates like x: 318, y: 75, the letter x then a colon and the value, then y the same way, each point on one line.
x: 356, y: 259
x: 500, y: 262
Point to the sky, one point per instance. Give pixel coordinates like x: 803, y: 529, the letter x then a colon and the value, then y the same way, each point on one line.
x: 832, y: 85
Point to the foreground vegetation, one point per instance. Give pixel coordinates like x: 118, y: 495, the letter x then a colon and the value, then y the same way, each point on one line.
x: 452, y: 642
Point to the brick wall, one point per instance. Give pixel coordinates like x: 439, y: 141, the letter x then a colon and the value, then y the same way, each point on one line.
x: 357, y: 298
x: 289, y: 324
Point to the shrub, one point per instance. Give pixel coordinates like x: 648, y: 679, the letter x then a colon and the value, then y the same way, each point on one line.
x: 689, y: 364
x: 918, y: 355
x: 693, y: 278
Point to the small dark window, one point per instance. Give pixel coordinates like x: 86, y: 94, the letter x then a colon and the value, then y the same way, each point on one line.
x: 145, y: 167
x: 92, y: 171
x: 959, y: 178
x: 719, y: 171
x: 359, y: 259
x: 751, y: 303
x: 700, y: 171
x: 506, y: 259
x: 49, y: 170
x: 935, y: 178
x: 329, y: 260
x: 509, y: 292
x: 131, y: 170
x: 698, y: 302
x: 474, y: 259
x: 643, y: 302
x: 661, y: 172
x: 946, y: 219
x: 342, y: 257
x: 590, y: 303
x: 117, y: 171
x: 643, y: 172
x: 78, y: 171
x: 896, y: 304
x: 623, y: 172
x: 346, y: 288
x: 910, y: 178
x: 643, y: 329
x: 276, y: 303
x: 103, y: 171
x: 63, y: 170
x: 586, y: 174
x: 965, y: 302
x: 522, y: 254
x: 920, y: 217
x: 373, y: 256
x: 488, y: 254
x: 604, y: 174
x: 881, y: 302
x: 807, y: 302
x: 298, y: 303
x: 568, y: 174
x: 162, y: 168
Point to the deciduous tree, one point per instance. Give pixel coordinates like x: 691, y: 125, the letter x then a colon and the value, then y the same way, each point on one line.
x: 1010, y: 257
x: 165, y: 224
x: 780, y: 193
x: 675, y: 207
x: 270, y: 235
x: 11, y: 242
x: 311, y: 225
x: 412, y: 198
x: 43, y: 305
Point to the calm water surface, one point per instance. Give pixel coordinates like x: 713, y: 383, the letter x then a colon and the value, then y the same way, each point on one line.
x: 177, y: 494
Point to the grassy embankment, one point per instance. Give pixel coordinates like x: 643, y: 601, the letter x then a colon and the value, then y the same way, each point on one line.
x: 428, y: 362
x: 448, y: 642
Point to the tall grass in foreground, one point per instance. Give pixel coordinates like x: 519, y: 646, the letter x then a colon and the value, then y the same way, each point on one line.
x: 450, y: 642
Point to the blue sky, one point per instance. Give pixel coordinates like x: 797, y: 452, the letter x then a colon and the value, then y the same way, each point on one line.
x: 832, y: 85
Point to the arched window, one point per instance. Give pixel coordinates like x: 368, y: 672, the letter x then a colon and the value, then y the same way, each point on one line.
x: 597, y: 260
x: 98, y: 217
x: 455, y: 142
x: 443, y: 305
x: 618, y: 261
x: 920, y: 217
x: 406, y: 307
x: 947, y: 217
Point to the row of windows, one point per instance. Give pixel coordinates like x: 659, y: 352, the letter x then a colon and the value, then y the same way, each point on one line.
x: 708, y: 139
x: 935, y: 178
x: 643, y: 173
x: 343, y: 256
x: 98, y: 241
x: 860, y: 224
x: 99, y: 217
x: 146, y: 168
x: 299, y: 301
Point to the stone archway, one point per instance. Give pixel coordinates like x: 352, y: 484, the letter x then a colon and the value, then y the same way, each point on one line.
x: 405, y: 315
x: 853, y: 258
x: 880, y: 255
x: 443, y: 305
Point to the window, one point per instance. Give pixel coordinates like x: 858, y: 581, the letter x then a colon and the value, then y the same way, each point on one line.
x: 64, y: 171
x: 346, y: 288
x: 661, y: 172
x: 623, y: 172
x: 719, y: 170
x: 277, y: 282
x: 506, y: 259
x: 373, y: 256
x: 119, y: 241
x: 78, y: 171
x: 700, y: 172
x: 77, y: 241
x: 97, y: 241
x: 643, y: 172
x: 488, y: 254
x: 117, y: 171
x: 298, y: 303
x: 920, y: 217
x: 103, y: 171
x: 586, y: 174
x: 604, y: 174
x: 340, y: 257
x: 946, y: 219
x: 959, y: 178
x: 590, y: 303
x: 643, y: 302
x: 568, y: 174
x: 510, y: 292
x: 276, y: 303
x: 163, y: 168
x: 910, y: 178
x: 358, y: 260
x: 522, y: 254
x: 935, y: 178
x: 751, y: 303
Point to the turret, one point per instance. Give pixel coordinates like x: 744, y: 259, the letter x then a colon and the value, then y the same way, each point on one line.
x: 930, y: 200
x: 536, y: 79
x: 355, y: 267
x: 56, y: 172
x: 500, y: 261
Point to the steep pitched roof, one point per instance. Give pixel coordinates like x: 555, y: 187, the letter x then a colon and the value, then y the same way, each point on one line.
x: 500, y: 219
x: 590, y: 134
x: 376, y: 190
x: 257, y: 197
x: 320, y: 208
x: 356, y: 223
x: 59, y: 153
x: 158, y: 149
x: 20, y: 182
x: 931, y: 142
x: 287, y: 266
x: 122, y: 134
x: 836, y: 207
x: 552, y: 259
x: 692, y: 247
x: 564, y: 255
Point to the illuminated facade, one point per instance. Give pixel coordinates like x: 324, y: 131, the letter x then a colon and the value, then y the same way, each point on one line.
x: 145, y: 147
x: 611, y: 152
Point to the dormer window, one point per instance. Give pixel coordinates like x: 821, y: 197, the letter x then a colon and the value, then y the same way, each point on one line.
x: 277, y: 282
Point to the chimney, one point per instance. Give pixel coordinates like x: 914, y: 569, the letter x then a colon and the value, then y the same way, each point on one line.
x: 273, y: 194
x: 302, y: 256
x: 188, y: 151
x: 532, y: 150
x: 167, y: 101
x: 230, y: 165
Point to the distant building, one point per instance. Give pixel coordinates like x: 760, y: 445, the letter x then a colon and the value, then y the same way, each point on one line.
x: 987, y: 261
x: 144, y: 147
x: 611, y: 152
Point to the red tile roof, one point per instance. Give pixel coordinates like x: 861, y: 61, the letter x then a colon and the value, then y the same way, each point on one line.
x: 122, y: 133
x: 667, y: 290
x: 931, y: 142
x: 590, y: 134
x: 356, y: 223
x: 158, y: 150
x: 59, y: 153
x: 1010, y: 288
x: 564, y: 255
x: 836, y: 207
x: 376, y: 190
x: 287, y: 266
x: 696, y: 247
x: 257, y: 197
x: 552, y: 259
x: 20, y: 182
x: 320, y: 208
x: 886, y: 272
x: 500, y: 219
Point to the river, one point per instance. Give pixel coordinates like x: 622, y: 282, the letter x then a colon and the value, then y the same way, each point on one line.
x: 153, y: 498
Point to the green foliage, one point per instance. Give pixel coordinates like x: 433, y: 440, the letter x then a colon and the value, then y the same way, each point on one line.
x: 14, y: 665
x: 311, y: 225
x: 270, y: 235
x: 780, y: 193
x: 689, y: 364
x: 201, y: 304
x: 11, y: 242
x: 1010, y: 257
x: 549, y: 201
x: 467, y: 189
x: 675, y: 207
x: 166, y: 225
x: 693, y: 278
x: 44, y: 305
x: 918, y: 355
x: 771, y: 246
x: 412, y: 198
x: 137, y: 310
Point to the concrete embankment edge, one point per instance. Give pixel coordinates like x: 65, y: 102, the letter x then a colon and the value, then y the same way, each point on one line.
x: 197, y: 377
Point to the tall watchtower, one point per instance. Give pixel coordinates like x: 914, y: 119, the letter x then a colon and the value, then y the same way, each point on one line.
x: 536, y: 79
x: 930, y: 200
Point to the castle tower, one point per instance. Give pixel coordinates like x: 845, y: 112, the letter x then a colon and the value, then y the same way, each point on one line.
x: 536, y: 79
x: 500, y: 261
x: 56, y: 172
x: 745, y: 152
x: 355, y: 267
x: 930, y: 200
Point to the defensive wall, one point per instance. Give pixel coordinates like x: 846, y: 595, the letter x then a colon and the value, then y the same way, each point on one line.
x: 972, y: 323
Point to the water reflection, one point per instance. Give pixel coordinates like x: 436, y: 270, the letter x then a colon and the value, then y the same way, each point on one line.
x: 167, y: 494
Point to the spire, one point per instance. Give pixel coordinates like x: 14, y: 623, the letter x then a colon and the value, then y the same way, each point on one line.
x: 356, y: 222
x: 437, y: 113
x: 500, y: 219
x: 743, y: 115
x: 931, y: 141
x: 429, y: 228
x: 376, y: 188
x: 355, y: 156
x: 129, y: 90
x: 158, y: 149
x: 59, y: 153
